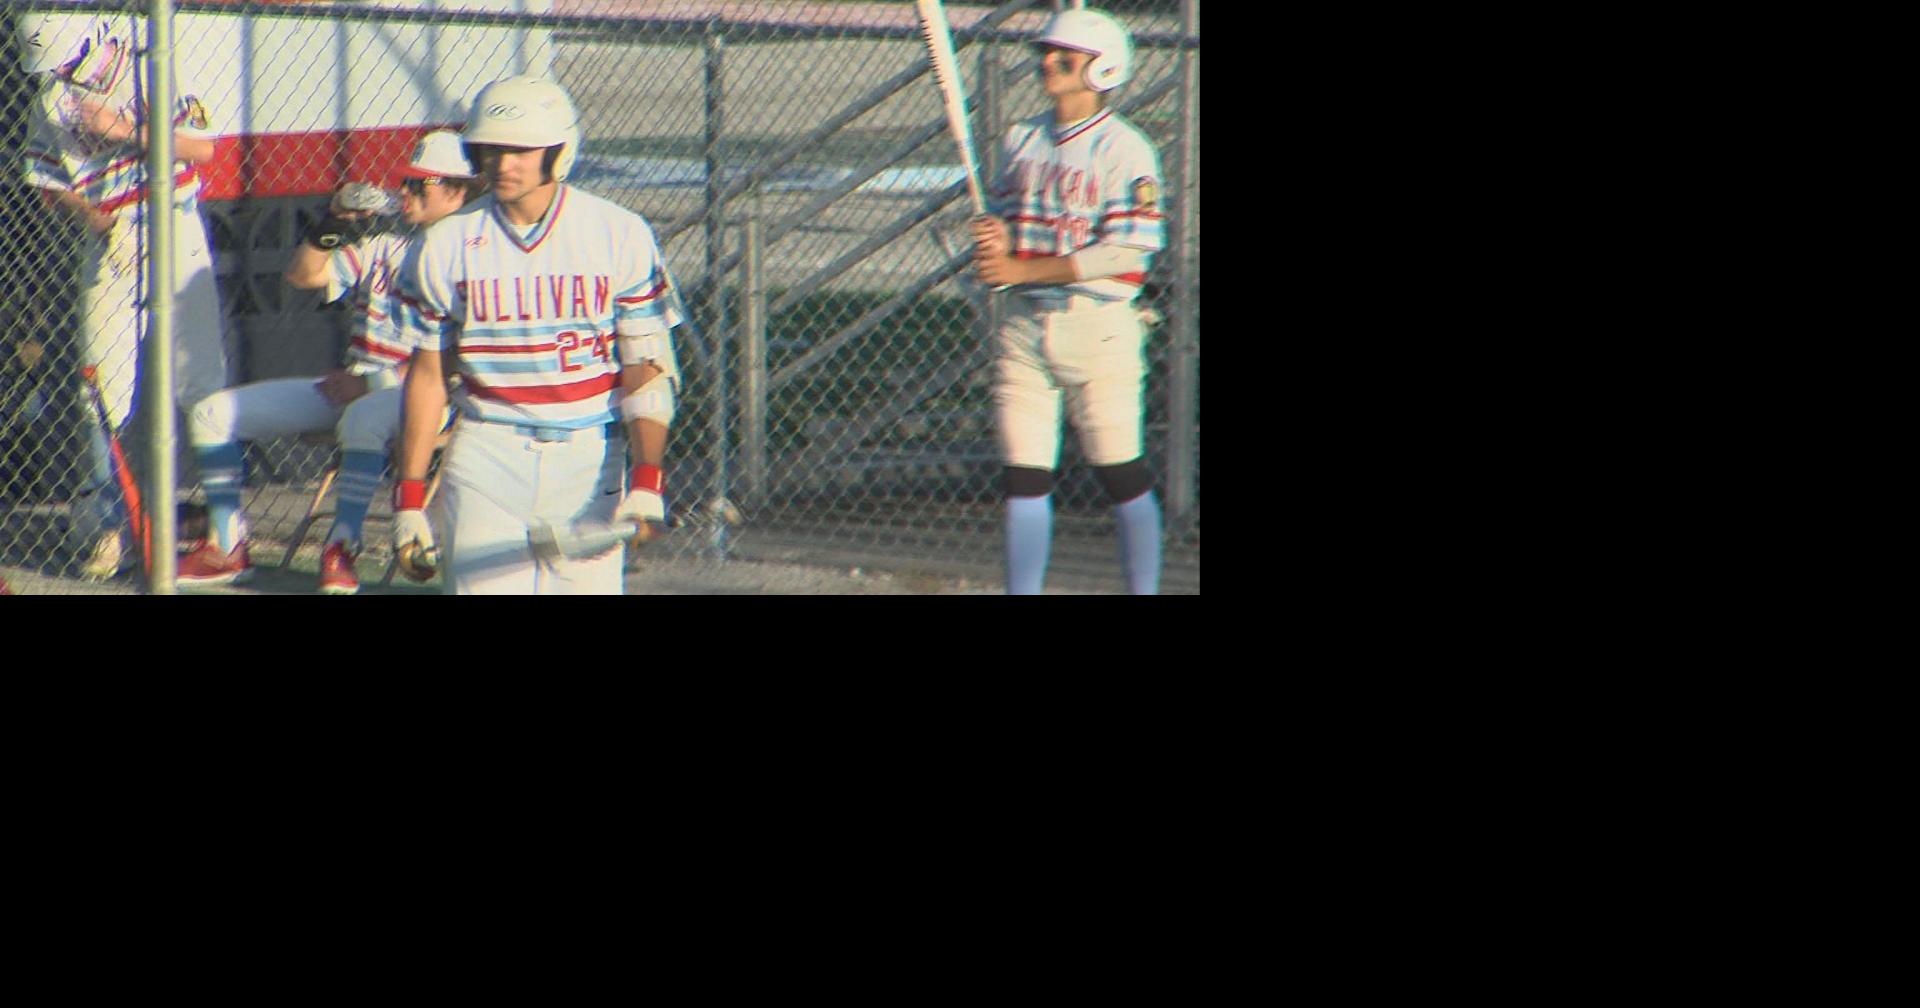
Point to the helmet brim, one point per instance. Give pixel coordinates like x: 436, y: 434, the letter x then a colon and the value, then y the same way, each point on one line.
x: 412, y: 172
x: 1054, y: 44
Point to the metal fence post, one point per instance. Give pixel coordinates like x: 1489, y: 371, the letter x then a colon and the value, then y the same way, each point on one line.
x: 753, y: 366
x: 722, y: 400
x: 1183, y: 390
x: 161, y: 477
x: 993, y: 84
x: 713, y: 44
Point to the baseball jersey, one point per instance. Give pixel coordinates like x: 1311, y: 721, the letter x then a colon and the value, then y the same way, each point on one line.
x: 110, y: 175
x: 1063, y: 188
x: 369, y: 270
x: 531, y: 316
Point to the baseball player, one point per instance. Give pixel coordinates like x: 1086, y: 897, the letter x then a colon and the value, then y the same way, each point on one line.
x: 557, y: 303
x: 1074, y: 222
x: 86, y: 153
x: 360, y: 400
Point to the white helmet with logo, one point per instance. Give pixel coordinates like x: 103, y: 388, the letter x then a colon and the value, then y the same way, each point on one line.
x: 526, y: 112
x: 51, y: 41
x: 439, y: 154
x: 1098, y: 35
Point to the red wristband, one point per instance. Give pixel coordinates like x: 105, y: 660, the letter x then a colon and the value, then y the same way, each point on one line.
x: 649, y: 477
x: 409, y: 495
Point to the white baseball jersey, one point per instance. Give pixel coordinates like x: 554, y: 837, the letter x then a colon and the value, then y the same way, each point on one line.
x: 531, y: 315
x: 1063, y: 188
x: 369, y: 270
x: 111, y: 176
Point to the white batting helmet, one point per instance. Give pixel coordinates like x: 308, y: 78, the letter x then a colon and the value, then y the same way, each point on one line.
x: 439, y: 154
x: 1098, y: 35
x: 51, y: 41
x: 526, y: 112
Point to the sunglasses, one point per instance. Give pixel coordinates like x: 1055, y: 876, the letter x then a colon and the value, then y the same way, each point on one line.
x: 418, y: 186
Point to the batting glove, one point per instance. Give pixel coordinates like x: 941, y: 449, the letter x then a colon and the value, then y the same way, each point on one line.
x: 412, y: 535
x: 645, y: 505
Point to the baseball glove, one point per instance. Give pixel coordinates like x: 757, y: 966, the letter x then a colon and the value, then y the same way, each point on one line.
x: 364, y: 197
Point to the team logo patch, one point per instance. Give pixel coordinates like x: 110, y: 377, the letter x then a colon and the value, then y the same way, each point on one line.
x: 196, y: 114
x: 1145, y: 193
x: 504, y: 111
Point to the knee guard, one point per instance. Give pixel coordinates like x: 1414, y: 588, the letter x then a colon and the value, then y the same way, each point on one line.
x: 1125, y: 481
x: 1020, y: 481
x: 652, y: 401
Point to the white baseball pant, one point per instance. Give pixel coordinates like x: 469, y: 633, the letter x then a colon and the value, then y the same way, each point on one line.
x: 1093, y: 359
x: 286, y: 406
x: 113, y: 313
x: 496, y: 481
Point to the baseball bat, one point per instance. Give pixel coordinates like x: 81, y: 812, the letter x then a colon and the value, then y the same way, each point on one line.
x: 418, y: 564
x: 953, y: 97
x: 129, y: 487
x: 938, y: 35
x: 581, y: 541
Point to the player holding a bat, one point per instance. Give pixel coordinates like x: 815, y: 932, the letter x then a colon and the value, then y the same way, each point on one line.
x: 1074, y: 221
x: 555, y: 306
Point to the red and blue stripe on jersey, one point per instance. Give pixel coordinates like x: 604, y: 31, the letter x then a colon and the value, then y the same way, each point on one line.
x: 531, y: 319
x: 111, y: 176
x: 369, y: 269
x: 1062, y: 189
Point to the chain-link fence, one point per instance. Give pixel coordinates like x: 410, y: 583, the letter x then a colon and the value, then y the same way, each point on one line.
x: 792, y: 158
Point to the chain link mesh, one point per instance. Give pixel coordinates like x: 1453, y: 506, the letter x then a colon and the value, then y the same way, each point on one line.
x: 791, y: 156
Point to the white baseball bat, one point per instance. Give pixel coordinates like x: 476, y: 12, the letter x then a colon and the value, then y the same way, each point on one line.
x: 953, y: 95
x: 579, y: 541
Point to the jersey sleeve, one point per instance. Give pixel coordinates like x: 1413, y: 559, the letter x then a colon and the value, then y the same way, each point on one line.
x: 347, y: 266
x: 41, y: 165
x: 1130, y: 204
x: 427, y: 307
x: 645, y: 303
x: 190, y: 118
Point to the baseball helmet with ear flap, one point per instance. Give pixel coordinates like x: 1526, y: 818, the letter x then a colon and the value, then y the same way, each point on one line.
x: 50, y: 41
x: 526, y: 112
x: 1099, y: 35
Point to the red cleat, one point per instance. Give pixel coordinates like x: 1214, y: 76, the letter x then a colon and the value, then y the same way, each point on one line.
x: 337, y: 576
x: 208, y: 565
